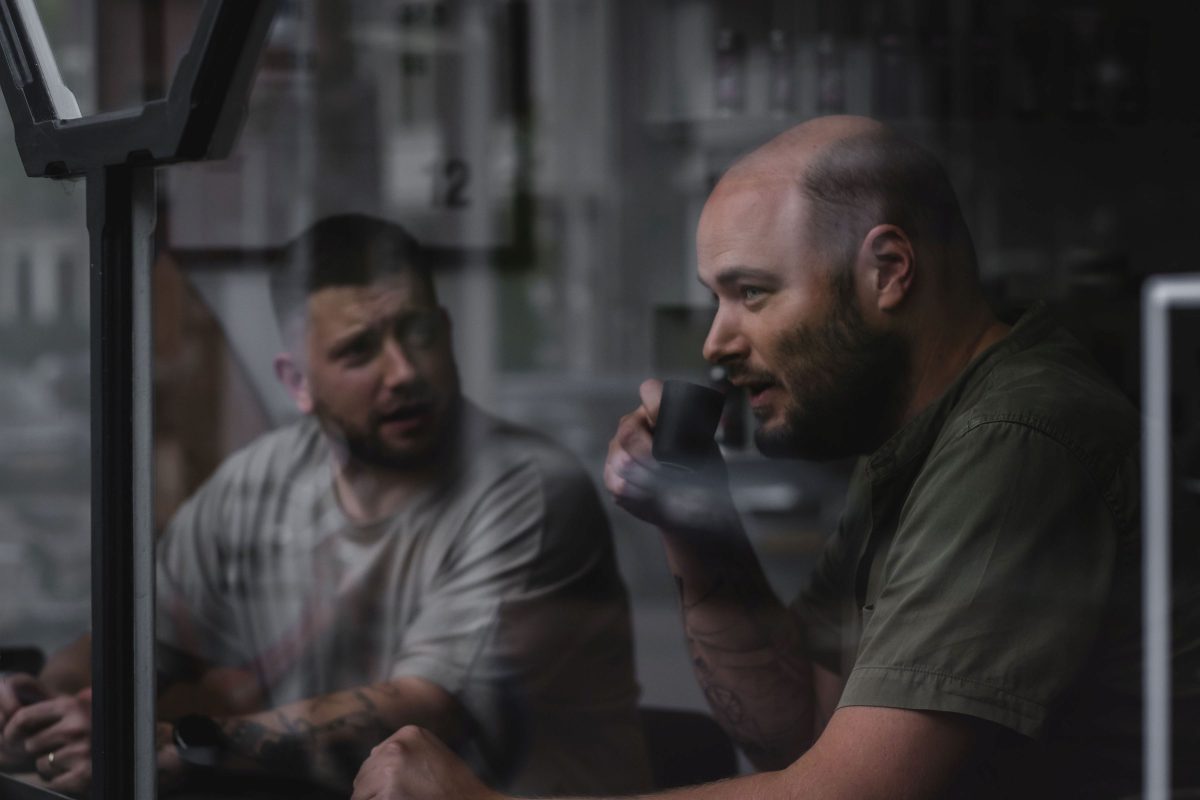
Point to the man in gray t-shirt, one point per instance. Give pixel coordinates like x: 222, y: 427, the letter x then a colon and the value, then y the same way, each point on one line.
x: 396, y: 556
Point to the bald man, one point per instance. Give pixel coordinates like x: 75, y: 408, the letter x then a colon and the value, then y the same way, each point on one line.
x: 971, y: 629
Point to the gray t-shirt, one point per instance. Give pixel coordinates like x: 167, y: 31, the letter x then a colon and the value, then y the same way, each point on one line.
x: 498, y: 584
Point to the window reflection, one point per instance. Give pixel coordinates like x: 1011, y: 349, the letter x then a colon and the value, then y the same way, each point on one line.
x: 45, y: 511
x: 552, y: 158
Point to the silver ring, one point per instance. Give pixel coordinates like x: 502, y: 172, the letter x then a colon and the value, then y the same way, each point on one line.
x: 50, y: 759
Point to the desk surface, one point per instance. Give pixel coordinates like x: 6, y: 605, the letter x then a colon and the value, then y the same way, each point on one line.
x: 26, y: 786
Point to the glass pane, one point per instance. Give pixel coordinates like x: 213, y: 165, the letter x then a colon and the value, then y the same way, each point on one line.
x: 554, y: 158
x: 344, y: 613
x: 97, y: 73
x: 45, y: 568
x: 347, y: 539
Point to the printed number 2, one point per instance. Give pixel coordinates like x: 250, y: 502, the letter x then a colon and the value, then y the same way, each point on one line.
x: 450, y: 184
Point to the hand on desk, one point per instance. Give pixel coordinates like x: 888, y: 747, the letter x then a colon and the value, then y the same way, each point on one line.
x: 413, y: 764
x: 50, y: 733
x: 16, y: 690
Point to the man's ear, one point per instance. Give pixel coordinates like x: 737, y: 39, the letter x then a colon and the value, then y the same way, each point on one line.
x: 887, y: 265
x: 294, y: 380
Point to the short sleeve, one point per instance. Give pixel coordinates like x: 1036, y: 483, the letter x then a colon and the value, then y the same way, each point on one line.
x: 193, y: 612
x: 528, y: 627
x: 500, y: 610
x: 995, y: 584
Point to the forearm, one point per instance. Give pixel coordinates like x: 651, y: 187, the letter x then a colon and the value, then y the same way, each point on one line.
x: 325, y: 739
x: 744, y: 646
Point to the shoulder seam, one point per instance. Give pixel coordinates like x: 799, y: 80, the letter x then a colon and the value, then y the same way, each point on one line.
x: 1090, y: 464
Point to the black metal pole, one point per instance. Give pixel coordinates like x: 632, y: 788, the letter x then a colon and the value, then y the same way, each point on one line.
x: 110, y: 209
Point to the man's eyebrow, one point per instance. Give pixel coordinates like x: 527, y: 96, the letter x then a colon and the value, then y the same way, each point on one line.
x: 733, y: 275
x: 347, y: 338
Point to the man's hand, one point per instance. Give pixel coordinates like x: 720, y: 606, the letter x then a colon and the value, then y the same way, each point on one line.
x: 57, y: 734
x: 16, y: 691
x: 660, y: 495
x: 413, y: 764
x: 171, y: 769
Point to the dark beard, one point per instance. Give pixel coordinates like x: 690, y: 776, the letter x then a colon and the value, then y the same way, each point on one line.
x: 849, y: 383
x: 365, y: 447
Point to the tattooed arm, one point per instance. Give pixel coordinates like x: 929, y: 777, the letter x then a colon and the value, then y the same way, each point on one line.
x: 325, y: 739
x: 745, y: 648
x: 744, y: 644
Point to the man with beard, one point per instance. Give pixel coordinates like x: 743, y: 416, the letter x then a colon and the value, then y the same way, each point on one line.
x: 396, y: 556
x: 972, y: 628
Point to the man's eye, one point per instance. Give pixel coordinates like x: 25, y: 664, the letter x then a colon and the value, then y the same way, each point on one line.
x: 357, y: 350
x: 420, y: 330
x: 752, y: 293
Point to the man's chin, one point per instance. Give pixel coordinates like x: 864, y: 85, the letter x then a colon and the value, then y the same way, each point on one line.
x: 394, y: 455
x: 409, y: 455
x: 773, y: 441
x: 784, y: 441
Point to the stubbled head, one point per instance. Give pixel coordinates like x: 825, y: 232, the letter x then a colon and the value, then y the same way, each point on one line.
x: 368, y: 347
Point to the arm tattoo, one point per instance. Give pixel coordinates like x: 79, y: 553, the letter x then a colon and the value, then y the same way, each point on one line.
x: 746, y: 653
x: 330, y: 750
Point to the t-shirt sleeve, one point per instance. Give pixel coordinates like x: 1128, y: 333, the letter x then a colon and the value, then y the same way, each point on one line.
x: 193, y: 614
x: 530, y: 609
x: 994, y: 587
x: 501, y: 609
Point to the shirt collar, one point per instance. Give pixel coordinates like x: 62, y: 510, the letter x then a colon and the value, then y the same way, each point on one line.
x: 914, y: 439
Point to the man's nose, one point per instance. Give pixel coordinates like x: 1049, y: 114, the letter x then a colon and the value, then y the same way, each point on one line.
x: 398, y: 368
x: 724, y: 341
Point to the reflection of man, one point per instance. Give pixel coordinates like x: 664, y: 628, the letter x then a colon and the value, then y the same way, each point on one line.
x: 972, y: 628
x: 395, y: 557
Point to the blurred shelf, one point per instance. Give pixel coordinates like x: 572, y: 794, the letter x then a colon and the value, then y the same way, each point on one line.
x: 738, y: 132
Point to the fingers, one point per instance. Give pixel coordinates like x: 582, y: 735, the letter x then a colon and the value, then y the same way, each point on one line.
x: 70, y: 771
x: 72, y: 725
x: 635, y: 479
x: 631, y: 445
x: 411, y: 736
x: 28, y: 720
x: 414, y: 764
x: 650, y: 393
x: 8, y: 699
x: 634, y: 488
x: 19, y: 690
x: 382, y: 774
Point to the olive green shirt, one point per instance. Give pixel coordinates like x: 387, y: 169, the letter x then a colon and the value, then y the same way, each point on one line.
x: 988, y: 564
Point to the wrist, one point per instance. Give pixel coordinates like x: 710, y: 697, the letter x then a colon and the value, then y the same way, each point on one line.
x: 171, y: 768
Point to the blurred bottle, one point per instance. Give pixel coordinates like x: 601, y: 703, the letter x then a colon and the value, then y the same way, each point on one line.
x: 730, y: 73
x: 781, y: 74
x: 984, y: 61
x: 1133, y: 47
x: 418, y: 88
x: 1031, y: 67
x: 831, y: 57
x: 893, y: 62
x: 936, y: 84
x: 1121, y: 71
x: 1081, y: 56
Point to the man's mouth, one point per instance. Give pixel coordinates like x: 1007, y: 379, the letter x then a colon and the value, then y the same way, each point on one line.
x: 408, y: 416
x: 757, y: 387
x: 759, y: 393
